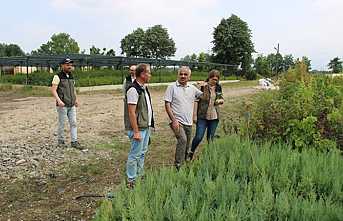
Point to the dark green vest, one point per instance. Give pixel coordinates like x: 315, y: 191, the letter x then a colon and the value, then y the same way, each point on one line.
x: 66, y: 90
x: 204, y: 101
x: 141, y: 109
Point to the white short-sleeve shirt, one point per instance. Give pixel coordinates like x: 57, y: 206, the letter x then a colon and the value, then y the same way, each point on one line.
x: 181, y: 99
x: 132, y: 98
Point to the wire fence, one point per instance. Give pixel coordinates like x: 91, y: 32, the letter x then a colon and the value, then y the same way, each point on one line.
x: 83, y: 63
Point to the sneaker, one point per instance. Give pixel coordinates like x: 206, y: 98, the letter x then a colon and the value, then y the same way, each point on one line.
x: 76, y: 145
x: 130, y: 184
x: 190, y: 156
x: 178, y: 166
x: 61, y: 143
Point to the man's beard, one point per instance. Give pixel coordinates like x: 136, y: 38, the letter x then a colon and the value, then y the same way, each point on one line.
x: 68, y: 71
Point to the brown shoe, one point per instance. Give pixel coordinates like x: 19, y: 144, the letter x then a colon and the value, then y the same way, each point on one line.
x: 76, y: 145
x: 130, y: 184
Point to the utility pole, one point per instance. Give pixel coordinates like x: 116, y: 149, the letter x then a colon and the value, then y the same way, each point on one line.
x: 277, y: 60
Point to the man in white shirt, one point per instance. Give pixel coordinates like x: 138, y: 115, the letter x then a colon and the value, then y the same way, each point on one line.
x: 130, y: 78
x: 179, y: 102
x: 139, y: 120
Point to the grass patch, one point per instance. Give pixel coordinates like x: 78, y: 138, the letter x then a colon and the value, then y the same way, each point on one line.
x: 26, y: 90
x: 237, y: 180
x: 97, y: 77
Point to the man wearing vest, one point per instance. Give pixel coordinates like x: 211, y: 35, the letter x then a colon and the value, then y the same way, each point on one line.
x: 130, y: 78
x: 138, y: 120
x: 66, y: 102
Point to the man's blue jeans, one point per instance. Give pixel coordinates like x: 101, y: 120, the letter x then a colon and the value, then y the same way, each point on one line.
x: 135, y: 160
x: 202, y: 125
x: 69, y: 112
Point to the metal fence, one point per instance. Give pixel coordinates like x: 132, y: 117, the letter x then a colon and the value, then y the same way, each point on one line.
x: 26, y: 64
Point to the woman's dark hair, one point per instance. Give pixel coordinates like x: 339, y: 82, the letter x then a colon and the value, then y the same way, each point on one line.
x: 213, y: 73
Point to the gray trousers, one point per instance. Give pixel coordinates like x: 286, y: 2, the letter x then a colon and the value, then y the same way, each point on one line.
x: 183, y: 137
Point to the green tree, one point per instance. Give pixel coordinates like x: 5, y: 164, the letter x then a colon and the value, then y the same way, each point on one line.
x: 152, y: 43
x: 204, y: 57
x: 275, y: 62
x: 9, y: 50
x: 133, y: 44
x: 59, y: 44
x: 335, y: 65
x: 194, y: 57
x: 306, y: 61
x: 288, y: 62
x: 111, y: 52
x: 232, y: 43
x: 94, y: 50
x: 158, y: 42
x: 262, y: 66
x: 97, y: 51
x: 186, y: 58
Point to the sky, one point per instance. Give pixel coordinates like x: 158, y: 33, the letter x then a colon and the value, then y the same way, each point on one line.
x: 309, y: 28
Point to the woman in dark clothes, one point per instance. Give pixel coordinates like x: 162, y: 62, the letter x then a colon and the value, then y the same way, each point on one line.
x: 206, y: 111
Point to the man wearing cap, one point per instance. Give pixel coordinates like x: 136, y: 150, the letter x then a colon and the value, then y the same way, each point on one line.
x: 66, y: 102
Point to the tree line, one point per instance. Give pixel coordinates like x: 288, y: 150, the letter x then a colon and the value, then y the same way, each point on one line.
x: 232, y: 44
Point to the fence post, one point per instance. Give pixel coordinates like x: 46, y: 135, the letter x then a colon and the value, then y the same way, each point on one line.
x: 27, y: 70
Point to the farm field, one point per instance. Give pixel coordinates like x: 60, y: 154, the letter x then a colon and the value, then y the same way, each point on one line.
x: 45, y: 186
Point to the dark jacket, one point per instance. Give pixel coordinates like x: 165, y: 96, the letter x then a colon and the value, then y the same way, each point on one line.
x: 141, y: 108
x: 128, y: 82
x: 66, y: 89
x: 204, y: 100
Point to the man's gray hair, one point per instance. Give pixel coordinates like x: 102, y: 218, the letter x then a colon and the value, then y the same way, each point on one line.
x: 184, y: 68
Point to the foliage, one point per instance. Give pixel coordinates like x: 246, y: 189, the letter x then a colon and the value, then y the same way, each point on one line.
x: 237, y: 180
x: 335, y: 65
x: 233, y: 43
x: 9, y: 50
x: 262, y: 66
x: 96, y: 77
x: 273, y: 64
x: 59, y: 44
x: 306, y: 111
x: 152, y: 43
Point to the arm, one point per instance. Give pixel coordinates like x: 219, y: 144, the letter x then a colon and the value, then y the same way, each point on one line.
x: 195, y: 112
x: 219, y: 96
x: 175, y: 124
x: 54, y: 93
x: 133, y: 121
x: 77, y: 103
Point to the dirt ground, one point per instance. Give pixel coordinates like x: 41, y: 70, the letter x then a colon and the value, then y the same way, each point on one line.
x: 39, y: 181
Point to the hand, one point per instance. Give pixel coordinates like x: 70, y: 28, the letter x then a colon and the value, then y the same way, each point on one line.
x: 201, y: 83
x: 195, y: 120
x: 175, y: 126
x: 60, y: 103
x: 219, y: 101
x: 137, y: 136
x: 77, y: 104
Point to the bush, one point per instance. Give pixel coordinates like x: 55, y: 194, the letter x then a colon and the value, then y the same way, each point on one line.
x: 237, y: 180
x: 95, y: 77
x: 306, y: 111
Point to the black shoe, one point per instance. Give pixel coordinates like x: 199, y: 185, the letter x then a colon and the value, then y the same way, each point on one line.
x: 76, y: 145
x: 130, y: 184
x: 178, y: 166
x: 61, y: 143
x: 190, y: 156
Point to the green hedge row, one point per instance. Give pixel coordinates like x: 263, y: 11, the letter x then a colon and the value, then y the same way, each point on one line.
x: 237, y: 180
x: 96, y: 77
